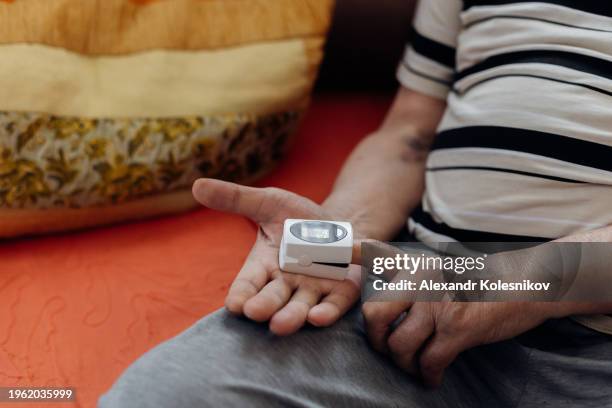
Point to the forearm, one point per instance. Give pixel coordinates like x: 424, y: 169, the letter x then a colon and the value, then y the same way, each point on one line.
x: 575, y: 308
x: 586, y: 264
x: 383, y: 179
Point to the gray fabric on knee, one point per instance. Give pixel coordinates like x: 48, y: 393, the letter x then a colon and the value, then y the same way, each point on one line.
x: 227, y: 361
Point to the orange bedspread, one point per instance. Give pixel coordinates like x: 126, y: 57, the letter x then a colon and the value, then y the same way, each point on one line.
x: 77, y: 309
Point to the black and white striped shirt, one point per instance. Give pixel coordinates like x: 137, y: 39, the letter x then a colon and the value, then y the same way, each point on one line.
x: 524, y: 151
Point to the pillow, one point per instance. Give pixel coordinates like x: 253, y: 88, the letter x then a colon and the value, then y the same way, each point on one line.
x: 112, y: 108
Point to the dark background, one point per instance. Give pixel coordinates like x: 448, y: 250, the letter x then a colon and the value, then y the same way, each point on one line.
x: 365, y: 44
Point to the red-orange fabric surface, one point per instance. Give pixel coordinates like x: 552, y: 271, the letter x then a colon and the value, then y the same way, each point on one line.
x: 76, y: 309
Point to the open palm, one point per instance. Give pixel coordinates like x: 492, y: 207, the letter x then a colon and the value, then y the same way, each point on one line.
x: 261, y: 291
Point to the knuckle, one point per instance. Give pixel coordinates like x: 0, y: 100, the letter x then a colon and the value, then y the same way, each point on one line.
x: 432, y: 361
x: 458, y: 328
x: 370, y: 310
x: 448, y: 329
x: 310, y: 287
x: 245, y: 285
x: 344, y: 298
x: 273, y: 190
x: 396, y: 343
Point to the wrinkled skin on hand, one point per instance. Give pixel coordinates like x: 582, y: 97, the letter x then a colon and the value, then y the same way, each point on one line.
x: 432, y: 334
x: 261, y: 291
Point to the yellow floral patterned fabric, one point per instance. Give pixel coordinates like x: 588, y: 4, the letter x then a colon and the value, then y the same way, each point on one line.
x: 110, y: 109
x: 48, y: 161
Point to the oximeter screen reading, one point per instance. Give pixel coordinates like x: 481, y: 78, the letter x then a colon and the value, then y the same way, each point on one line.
x: 318, y: 232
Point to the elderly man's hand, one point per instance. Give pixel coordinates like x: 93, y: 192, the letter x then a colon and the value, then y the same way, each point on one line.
x: 431, y: 335
x: 261, y: 291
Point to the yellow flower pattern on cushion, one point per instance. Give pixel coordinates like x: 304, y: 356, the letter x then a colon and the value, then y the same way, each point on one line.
x: 48, y: 161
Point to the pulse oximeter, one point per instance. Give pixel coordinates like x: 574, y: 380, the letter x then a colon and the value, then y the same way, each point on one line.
x: 322, y: 249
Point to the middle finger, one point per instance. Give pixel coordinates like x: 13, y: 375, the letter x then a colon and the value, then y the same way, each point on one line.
x: 293, y: 315
x: 270, y: 299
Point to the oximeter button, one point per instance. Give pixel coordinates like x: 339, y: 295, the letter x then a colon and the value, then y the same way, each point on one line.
x: 304, y: 260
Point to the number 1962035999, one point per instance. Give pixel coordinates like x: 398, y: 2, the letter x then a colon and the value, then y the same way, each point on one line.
x: 47, y: 394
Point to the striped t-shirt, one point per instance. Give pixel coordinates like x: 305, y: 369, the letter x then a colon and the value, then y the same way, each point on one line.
x: 524, y: 150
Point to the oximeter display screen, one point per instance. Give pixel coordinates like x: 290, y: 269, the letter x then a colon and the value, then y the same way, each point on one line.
x: 318, y: 232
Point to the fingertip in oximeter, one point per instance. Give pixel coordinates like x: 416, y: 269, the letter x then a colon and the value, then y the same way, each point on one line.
x: 322, y: 249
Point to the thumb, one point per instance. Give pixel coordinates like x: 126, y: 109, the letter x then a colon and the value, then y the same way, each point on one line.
x: 382, y: 248
x: 230, y: 197
x: 357, y: 249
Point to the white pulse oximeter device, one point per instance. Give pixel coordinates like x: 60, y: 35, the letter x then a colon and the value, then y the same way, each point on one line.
x: 322, y: 249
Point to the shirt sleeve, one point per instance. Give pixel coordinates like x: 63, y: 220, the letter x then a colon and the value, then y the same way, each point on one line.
x: 429, y: 64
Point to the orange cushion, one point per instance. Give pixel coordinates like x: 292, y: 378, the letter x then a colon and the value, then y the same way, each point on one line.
x: 77, y: 309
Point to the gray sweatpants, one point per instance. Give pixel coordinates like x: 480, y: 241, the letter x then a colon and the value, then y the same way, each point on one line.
x: 224, y: 361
